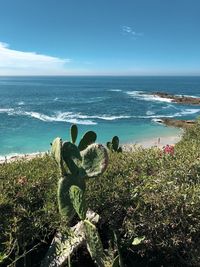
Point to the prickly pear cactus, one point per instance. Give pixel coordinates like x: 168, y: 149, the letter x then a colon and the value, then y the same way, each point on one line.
x: 87, y: 160
x: 114, y: 145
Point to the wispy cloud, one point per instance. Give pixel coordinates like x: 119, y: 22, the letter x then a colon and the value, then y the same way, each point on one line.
x: 127, y: 30
x: 14, y: 62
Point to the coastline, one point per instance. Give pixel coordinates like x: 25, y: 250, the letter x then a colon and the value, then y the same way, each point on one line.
x: 159, y: 142
x: 16, y: 157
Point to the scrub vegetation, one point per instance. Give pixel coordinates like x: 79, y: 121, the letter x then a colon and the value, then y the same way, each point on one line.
x: 148, y: 202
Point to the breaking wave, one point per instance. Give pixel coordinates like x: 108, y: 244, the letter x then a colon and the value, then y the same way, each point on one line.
x: 59, y: 117
x: 141, y: 95
x: 79, y: 118
x: 70, y: 117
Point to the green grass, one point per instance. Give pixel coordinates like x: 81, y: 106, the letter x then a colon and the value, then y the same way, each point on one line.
x: 143, y: 193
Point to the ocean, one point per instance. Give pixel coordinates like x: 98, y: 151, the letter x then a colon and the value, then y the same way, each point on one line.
x: 35, y: 110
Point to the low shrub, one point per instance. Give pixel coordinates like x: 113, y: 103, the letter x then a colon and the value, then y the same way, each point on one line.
x: 27, y: 206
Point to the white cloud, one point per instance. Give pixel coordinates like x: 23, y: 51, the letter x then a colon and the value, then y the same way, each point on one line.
x: 13, y: 62
x: 129, y: 31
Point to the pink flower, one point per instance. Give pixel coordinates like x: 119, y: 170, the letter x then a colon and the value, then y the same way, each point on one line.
x: 168, y: 149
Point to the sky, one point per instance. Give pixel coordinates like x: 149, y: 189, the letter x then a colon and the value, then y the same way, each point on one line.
x: 99, y: 37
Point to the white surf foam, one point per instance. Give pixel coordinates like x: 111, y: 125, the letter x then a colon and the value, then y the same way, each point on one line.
x: 115, y: 90
x: 60, y: 117
x: 103, y: 117
x: 111, y: 118
x: 156, y: 120
x: 79, y: 118
x: 192, y: 96
x: 6, y: 110
x: 177, y: 114
x: 170, y: 106
x: 141, y: 95
x: 149, y: 113
x: 189, y: 111
x: 71, y: 117
x: 20, y: 103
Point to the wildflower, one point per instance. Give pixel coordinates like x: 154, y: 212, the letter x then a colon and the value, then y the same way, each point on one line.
x: 168, y: 149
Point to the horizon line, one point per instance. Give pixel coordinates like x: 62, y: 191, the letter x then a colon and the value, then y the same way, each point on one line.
x: 102, y: 75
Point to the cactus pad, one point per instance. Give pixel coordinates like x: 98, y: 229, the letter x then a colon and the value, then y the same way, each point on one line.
x: 88, y: 139
x: 115, y: 143
x: 94, y: 160
x: 71, y: 156
x: 64, y: 203
x: 74, y: 133
x: 94, y: 244
x: 78, y: 200
x: 56, y: 152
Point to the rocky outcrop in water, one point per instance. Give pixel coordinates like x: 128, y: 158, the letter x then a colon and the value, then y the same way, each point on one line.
x: 179, y: 99
x: 176, y: 123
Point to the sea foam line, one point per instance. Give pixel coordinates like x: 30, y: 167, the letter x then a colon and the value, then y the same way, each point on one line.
x: 79, y: 118
x: 70, y: 117
x: 141, y: 95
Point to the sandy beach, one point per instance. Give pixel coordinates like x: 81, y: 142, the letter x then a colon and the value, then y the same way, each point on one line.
x: 159, y: 142
x: 12, y: 158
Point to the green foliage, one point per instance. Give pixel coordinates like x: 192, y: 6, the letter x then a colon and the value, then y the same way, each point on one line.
x: 148, y: 194
x: 28, y: 213
x: 142, y: 193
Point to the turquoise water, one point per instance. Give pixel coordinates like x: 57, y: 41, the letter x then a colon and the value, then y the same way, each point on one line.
x: 34, y: 110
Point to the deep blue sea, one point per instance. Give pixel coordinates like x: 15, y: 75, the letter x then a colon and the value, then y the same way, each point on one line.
x: 34, y: 110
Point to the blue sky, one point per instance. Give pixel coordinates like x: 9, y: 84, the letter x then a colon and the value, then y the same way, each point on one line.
x: 99, y: 37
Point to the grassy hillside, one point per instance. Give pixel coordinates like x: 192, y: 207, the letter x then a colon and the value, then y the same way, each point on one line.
x: 146, y: 194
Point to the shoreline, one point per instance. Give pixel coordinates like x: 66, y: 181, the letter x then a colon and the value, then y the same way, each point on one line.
x: 15, y: 157
x: 158, y: 142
